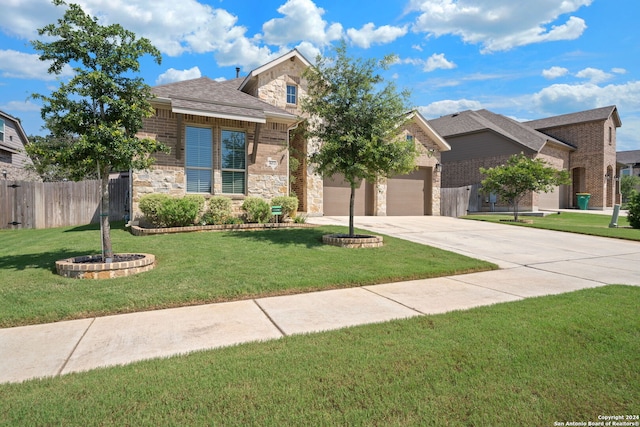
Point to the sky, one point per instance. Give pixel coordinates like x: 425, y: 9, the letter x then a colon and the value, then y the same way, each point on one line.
x: 520, y: 58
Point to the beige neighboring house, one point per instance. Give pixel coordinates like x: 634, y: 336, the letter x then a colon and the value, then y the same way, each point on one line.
x: 234, y: 138
x: 13, y: 158
x: 582, y: 143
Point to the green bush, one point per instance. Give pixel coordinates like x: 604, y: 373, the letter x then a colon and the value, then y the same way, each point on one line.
x: 289, y: 205
x: 256, y: 210
x: 219, y: 212
x: 150, y: 207
x: 634, y: 210
x: 180, y: 212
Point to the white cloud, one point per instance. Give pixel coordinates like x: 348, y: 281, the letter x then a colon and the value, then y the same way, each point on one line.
x: 449, y: 106
x: 562, y: 98
x: 499, y: 25
x: 619, y: 71
x: 434, y: 62
x: 20, y: 65
x: 173, y: 75
x: 302, y: 21
x: 13, y: 106
x: 554, y: 72
x: 369, y: 34
x: 594, y: 75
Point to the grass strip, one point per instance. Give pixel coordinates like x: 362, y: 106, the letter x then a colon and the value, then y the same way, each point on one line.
x: 540, y: 361
x: 197, y: 268
x: 582, y: 223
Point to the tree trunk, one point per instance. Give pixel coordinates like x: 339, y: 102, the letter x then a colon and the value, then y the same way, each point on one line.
x: 516, y: 203
x: 352, y: 199
x: 105, y: 226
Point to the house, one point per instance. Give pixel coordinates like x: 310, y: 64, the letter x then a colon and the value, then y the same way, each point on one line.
x: 582, y: 143
x: 235, y: 138
x: 13, y: 158
x: 629, y: 162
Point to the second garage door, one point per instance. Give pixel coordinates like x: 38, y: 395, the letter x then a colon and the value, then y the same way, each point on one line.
x: 410, y: 194
x: 336, y: 196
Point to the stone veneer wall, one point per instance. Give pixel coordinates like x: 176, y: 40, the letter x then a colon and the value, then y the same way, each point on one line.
x: 267, y: 167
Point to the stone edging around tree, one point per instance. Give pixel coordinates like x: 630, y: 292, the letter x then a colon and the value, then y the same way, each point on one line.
x: 345, y: 241
x: 82, y: 268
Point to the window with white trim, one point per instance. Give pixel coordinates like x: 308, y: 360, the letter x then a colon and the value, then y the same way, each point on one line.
x: 292, y: 94
x: 234, y: 162
x: 199, y: 159
x: 1, y: 130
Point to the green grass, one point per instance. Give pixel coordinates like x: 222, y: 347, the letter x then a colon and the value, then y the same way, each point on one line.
x: 583, y: 223
x: 195, y: 268
x: 568, y: 357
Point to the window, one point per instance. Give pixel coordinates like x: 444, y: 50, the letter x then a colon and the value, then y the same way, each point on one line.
x: 1, y: 130
x: 234, y: 161
x: 198, y: 159
x: 409, y: 138
x: 610, y: 135
x: 292, y: 94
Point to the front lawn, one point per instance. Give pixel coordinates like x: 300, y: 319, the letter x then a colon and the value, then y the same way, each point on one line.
x: 196, y: 268
x: 583, y: 223
x: 537, y: 362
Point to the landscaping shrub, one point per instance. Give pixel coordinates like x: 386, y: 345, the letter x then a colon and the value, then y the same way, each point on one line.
x: 178, y: 211
x: 256, y: 210
x: 150, y: 207
x: 219, y: 212
x: 289, y: 205
x: 634, y: 210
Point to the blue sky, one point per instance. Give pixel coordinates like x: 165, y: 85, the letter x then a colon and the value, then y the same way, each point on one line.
x: 523, y: 59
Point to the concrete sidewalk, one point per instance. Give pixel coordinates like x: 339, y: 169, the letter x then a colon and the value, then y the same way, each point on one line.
x: 533, y: 262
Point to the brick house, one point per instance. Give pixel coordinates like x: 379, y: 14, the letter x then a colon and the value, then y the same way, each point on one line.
x: 234, y: 138
x: 629, y: 162
x: 582, y: 143
x: 13, y: 158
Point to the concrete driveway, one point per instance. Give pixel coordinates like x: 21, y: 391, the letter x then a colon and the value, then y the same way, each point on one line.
x: 599, y: 259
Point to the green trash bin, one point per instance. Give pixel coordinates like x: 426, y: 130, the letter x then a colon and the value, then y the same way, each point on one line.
x: 583, y: 200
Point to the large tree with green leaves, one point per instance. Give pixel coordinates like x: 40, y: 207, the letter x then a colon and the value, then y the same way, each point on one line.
x: 357, y: 119
x: 519, y: 176
x: 102, y: 106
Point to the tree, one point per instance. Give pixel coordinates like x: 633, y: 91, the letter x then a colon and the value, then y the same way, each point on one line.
x: 102, y: 106
x: 628, y: 184
x: 44, y: 152
x: 357, y: 121
x: 520, y: 176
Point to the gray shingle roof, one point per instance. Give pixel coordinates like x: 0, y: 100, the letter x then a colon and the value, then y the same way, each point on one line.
x: 476, y: 121
x: 597, y: 114
x: 628, y: 157
x: 217, y: 98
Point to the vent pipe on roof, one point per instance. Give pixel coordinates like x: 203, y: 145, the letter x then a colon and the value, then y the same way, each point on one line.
x: 237, y: 72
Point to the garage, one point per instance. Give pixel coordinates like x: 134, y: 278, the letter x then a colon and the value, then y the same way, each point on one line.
x: 336, y: 193
x: 553, y: 199
x: 410, y: 194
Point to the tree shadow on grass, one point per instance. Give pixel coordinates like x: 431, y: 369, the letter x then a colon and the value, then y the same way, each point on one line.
x: 114, y: 225
x: 308, y: 237
x: 42, y: 260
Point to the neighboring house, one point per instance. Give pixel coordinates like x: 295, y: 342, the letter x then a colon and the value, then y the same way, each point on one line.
x: 13, y: 158
x: 234, y: 138
x: 582, y: 143
x: 629, y: 162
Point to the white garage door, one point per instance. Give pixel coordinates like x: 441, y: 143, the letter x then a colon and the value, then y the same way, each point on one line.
x: 550, y: 200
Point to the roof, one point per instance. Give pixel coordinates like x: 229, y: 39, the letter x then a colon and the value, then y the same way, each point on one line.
x: 206, y: 97
x: 467, y: 122
x: 426, y: 128
x: 628, y: 157
x: 597, y: 114
x: 291, y: 55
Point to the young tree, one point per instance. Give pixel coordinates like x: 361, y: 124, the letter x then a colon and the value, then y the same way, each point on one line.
x: 102, y: 105
x: 628, y: 184
x: 44, y: 152
x: 357, y: 120
x: 519, y: 176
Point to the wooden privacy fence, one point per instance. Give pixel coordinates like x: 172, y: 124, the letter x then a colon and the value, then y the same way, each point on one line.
x: 458, y: 201
x: 25, y: 204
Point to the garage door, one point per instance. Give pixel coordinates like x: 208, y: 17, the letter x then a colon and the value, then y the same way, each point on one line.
x: 410, y: 194
x: 336, y: 197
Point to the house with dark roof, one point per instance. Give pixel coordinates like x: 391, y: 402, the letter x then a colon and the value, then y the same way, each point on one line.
x: 235, y: 137
x: 582, y: 143
x: 629, y: 162
x: 13, y: 158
